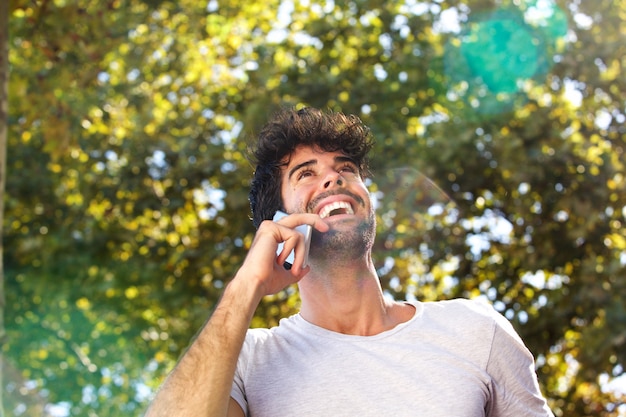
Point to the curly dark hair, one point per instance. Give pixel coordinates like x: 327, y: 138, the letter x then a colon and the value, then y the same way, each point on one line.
x: 290, y: 128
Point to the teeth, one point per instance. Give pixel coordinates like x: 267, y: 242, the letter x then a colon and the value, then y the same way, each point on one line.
x: 325, y: 212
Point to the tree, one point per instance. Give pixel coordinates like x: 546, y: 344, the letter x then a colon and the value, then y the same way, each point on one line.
x: 4, y: 110
x: 126, y: 204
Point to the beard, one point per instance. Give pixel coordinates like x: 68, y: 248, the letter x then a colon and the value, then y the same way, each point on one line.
x: 345, y: 241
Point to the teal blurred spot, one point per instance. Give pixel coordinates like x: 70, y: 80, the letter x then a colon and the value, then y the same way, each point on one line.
x: 490, y: 63
x: 502, y: 52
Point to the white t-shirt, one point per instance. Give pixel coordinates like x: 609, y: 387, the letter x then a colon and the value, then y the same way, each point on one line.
x: 453, y: 358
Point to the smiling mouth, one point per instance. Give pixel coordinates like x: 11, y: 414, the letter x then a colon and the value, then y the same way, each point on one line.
x: 333, y: 209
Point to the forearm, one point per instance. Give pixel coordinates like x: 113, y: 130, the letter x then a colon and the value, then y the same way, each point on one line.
x: 201, y: 382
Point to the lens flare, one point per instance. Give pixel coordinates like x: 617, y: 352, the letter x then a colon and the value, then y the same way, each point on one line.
x: 497, y: 56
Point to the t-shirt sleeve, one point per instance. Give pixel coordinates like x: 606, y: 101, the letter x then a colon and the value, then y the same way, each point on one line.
x: 237, y: 391
x: 514, y: 386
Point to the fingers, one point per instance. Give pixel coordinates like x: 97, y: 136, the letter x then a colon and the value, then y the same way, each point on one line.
x: 293, y: 252
x: 292, y: 234
x: 297, y: 219
x: 272, y: 247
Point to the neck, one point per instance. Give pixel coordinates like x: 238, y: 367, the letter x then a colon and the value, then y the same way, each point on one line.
x: 347, y: 298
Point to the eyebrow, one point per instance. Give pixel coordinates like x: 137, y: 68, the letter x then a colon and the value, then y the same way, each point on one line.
x: 342, y: 158
x: 338, y: 159
x: 302, y: 165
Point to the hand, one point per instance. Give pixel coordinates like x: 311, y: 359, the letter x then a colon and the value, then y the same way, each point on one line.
x: 263, y: 268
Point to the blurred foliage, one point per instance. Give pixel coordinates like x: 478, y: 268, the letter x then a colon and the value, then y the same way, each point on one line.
x: 126, y: 200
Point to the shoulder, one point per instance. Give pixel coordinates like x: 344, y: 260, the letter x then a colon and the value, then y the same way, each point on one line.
x: 462, y: 309
x: 258, y: 337
x: 468, y: 316
x: 261, y: 344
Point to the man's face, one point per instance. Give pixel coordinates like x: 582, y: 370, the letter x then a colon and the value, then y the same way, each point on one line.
x: 329, y: 184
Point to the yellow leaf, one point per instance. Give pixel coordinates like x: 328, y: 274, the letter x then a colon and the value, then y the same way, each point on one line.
x: 83, y: 303
x: 131, y: 292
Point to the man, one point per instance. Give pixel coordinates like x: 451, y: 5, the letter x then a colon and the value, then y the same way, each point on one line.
x: 350, y: 351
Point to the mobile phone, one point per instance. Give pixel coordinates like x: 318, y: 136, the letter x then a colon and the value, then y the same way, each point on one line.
x: 306, y: 230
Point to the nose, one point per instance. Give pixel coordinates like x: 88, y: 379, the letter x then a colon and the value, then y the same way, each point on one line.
x: 331, y: 179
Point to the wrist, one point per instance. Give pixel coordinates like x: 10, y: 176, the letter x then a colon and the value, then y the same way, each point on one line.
x: 245, y: 292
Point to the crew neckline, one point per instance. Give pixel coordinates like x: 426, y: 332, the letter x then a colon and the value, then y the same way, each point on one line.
x: 313, y: 329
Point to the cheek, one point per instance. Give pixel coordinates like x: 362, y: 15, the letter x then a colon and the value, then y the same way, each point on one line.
x: 290, y: 199
x: 295, y: 202
x: 299, y: 205
x: 364, y: 190
x: 286, y: 195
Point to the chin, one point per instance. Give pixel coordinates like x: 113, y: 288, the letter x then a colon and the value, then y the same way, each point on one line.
x: 346, y: 239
